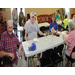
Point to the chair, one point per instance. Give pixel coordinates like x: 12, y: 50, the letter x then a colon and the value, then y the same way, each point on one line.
x: 42, y: 29
x: 70, y: 57
x: 6, y: 60
x: 46, y: 58
x: 57, y: 55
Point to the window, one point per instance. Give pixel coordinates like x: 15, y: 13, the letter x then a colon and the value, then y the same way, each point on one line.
x: 67, y: 11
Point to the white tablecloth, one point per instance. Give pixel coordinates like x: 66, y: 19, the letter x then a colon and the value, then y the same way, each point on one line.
x: 46, y: 24
x: 44, y: 44
x: 20, y: 28
x: 59, y: 22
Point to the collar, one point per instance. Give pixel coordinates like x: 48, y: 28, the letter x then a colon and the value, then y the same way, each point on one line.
x: 9, y: 35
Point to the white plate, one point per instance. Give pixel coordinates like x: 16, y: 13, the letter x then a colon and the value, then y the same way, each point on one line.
x: 27, y: 44
x: 35, y: 40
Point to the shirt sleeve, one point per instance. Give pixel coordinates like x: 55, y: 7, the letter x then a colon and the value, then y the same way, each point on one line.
x: 50, y: 27
x: 69, y: 38
x: 17, y: 41
x: 26, y: 29
x: 56, y: 26
x: 2, y: 43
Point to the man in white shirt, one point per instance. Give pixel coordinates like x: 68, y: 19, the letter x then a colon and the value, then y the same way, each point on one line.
x: 15, y: 19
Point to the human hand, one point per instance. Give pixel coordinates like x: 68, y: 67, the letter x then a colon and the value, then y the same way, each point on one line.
x: 44, y: 34
x: 67, y: 32
x: 11, y: 55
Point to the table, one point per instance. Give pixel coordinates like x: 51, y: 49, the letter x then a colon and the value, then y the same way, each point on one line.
x: 44, y: 44
x: 20, y: 28
x: 59, y: 22
x: 46, y: 24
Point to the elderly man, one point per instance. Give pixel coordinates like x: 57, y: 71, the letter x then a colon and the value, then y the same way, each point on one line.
x: 9, y: 43
x: 31, y: 31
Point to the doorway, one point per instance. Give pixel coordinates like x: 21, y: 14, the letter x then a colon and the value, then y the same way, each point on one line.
x: 18, y: 9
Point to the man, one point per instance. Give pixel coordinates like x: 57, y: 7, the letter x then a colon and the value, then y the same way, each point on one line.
x: 15, y: 19
x: 2, y: 26
x: 57, y: 17
x: 31, y: 31
x: 21, y: 17
x: 9, y: 43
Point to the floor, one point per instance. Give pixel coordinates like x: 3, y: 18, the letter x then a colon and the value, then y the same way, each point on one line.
x: 35, y: 59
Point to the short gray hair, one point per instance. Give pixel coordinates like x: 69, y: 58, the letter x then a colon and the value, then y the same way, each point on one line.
x: 71, y: 26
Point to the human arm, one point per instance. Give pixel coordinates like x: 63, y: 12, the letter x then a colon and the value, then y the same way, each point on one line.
x: 56, y: 29
x: 20, y: 49
x: 65, y: 40
x: 3, y: 53
x: 26, y: 37
x: 41, y: 33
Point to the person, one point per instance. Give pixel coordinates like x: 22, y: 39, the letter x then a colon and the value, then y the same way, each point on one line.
x: 9, y: 43
x: 15, y: 19
x: 70, y: 40
x: 2, y: 25
x: 53, y: 24
x: 31, y: 31
x: 59, y: 13
x: 65, y: 21
x: 21, y: 17
x: 73, y: 21
x: 28, y: 19
x: 57, y: 17
x: 36, y: 18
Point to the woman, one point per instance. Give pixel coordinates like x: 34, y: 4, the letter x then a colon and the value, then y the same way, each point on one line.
x: 36, y: 18
x: 57, y: 17
x: 28, y: 20
x: 53, y: 24
x: 65, y: 21
x: 21, y: 17
x: 70, y: 40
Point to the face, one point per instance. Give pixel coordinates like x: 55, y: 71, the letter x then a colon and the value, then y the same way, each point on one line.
x: 53, y: 18
x: 21, y: 9
x: 32, y: 19
x: 57, y: 13
x: 10, y: 28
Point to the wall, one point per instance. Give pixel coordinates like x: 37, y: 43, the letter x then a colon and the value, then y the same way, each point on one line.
x: 7, y: 13
x: 39, y: 11
x: 72, y: 11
